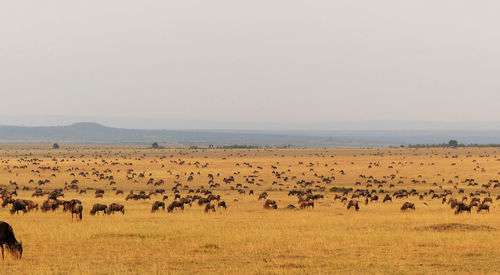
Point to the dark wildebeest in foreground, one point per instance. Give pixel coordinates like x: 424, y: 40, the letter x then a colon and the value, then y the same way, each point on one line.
x: 156, y: 206
x: 222, y: 204
x: 97, y: 208
x: 461, y: 207
x: 77, y: 209
x: 116, y: 207
x: 17, y: 206
x: 209, y: 207
x: 353, y: 204
x: 8, y: 239
x: 407, y: 205
x: 175, y: 204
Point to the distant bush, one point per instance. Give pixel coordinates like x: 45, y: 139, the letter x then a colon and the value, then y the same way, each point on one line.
x: 340, y: 189
x: 55, y: 146
x: 156, y: 146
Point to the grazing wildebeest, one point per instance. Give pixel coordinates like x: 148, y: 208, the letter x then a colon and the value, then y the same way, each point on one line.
x: 353, y: 204
x: 270, y: 204
x: 222, y: 204
x: 209, y: 207
x: 263, y: 195
x: 78, y: 210
x: 49, y: 205
x: 156, y: 206
x: 387, y: 198
x: 483, y: 207
x: 18, y: 205
x: 175, y: 204
x: 7, y: 201
x: 97, y: 208
x: 8, y: 239
x: 461, y: 207
x: 306, y: 204
x: 116, y: 207
x: 31, y: 205
x: 165, y: 197
x: 407, y: 205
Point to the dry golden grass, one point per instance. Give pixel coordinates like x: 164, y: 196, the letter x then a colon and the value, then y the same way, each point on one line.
x: 246, y: 238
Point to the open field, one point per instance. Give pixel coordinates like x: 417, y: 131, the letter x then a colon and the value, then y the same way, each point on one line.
x: 246, y: 238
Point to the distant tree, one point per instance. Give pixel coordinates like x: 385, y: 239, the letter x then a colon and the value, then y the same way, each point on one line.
x: 453, y: 143
x: 155, y: 145
x: 55, y: 146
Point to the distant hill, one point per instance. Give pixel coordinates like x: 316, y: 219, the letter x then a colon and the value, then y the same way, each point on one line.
x: 94, y: 133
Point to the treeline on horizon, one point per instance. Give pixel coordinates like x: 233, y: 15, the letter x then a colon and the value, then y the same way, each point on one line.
x: 452, y: 144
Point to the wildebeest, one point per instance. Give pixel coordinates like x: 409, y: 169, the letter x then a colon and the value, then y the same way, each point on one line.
x: 116, y: 207
x: 407, y: 205
x: 387, y: 198
x: 461, y: 207
x: 353, y: 204
x: 156, y: 206
x: 97, y: 208
x: 306, y: 204
x: 263, y: 195
x: 483, y: 207
x: 8, y: 239
x: 209, y: 207
x: 76, y: 209
x: 222, y: 204
x: 50, y: 205
x: 175, y: 204
x: 270, y: 204
x: 18, y: 205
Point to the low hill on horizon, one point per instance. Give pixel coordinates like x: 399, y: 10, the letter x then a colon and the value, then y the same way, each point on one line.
x: 94, y: 133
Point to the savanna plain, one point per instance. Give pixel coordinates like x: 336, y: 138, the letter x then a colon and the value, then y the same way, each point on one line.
x: 326, y: 238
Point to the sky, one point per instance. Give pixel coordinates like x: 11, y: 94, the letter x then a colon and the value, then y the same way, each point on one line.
x: 259, y: 61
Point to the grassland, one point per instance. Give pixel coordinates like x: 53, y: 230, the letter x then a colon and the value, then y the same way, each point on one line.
x: 246, y: 238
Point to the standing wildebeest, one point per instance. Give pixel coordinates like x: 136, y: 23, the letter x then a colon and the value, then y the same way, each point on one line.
x: 156, y: 206
x: 407, y: 205
x: 116, y: 207
x: 78, y: 210
x: 306, y: 204
x: 175, y: 204
x: 7, y: 238
x: 353, y: 204
x: 98, y: 207
x: 18, y: 205
x: 222, y: 204
x: 209, y: 207
x: 483, y: 207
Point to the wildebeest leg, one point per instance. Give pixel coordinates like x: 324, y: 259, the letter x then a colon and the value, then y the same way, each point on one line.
x: 1, y: 245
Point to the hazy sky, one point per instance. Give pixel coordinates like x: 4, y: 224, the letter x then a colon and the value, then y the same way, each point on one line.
x: 253, y: 60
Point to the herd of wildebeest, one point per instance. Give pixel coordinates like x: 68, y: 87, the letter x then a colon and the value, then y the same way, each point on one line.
x: 307, y: 188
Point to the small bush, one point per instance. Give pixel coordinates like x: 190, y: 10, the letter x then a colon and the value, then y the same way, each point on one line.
x: 340, y: 189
